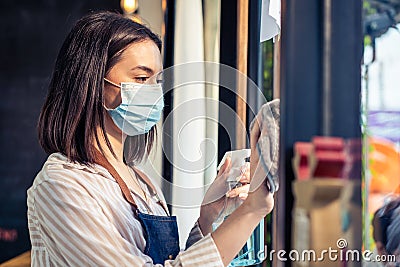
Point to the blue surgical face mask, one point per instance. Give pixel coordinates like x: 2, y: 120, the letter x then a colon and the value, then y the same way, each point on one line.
x: 140, y: 109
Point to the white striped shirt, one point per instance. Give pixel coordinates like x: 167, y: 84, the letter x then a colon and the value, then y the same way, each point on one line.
x: 77, y: 216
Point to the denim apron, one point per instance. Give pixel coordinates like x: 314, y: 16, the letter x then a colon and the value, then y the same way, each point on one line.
x: 161, y: 232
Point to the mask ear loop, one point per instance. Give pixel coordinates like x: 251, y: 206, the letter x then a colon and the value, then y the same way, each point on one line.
x: 112, y: 83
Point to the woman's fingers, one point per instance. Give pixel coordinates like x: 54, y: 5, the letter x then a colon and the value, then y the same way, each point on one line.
x: 257, y: 173
x: 245, y: 174
x: 255, y: 133
x: 239, y: 191
x: 243, y: 196
x: 225, y: 167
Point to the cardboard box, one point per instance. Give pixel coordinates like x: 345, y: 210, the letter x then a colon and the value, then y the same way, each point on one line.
x: 325, y: 212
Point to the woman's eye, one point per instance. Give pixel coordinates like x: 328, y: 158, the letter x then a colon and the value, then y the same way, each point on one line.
x: 141, y: 79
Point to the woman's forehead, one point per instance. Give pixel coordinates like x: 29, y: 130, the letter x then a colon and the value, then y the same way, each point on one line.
x: 142, y: 55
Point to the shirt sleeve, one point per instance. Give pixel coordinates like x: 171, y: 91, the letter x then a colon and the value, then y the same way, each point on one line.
x: 204, y: 253
x: 194, y: 235
x: 77, y: 233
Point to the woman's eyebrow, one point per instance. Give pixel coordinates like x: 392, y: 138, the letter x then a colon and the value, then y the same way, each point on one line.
x: 144, y: 68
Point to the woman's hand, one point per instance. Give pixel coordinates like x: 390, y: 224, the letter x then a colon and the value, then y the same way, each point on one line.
x: 259, y: 199
x: 230, y: 236
x: 214, y: 200
x: 241, y: 191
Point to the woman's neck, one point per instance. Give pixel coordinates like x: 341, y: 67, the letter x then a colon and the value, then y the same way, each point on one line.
x: 116, y: 138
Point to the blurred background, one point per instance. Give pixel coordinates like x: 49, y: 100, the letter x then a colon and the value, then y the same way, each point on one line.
x: 335, y: 66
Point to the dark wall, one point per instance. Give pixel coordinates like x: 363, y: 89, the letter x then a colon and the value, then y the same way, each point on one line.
x: 31, y: 35
x: 228, y: 56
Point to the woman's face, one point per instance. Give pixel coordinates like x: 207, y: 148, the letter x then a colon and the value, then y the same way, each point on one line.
x: 140, y: 63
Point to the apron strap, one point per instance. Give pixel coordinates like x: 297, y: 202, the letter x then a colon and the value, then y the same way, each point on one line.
x: 146, y: 179
x: 102, y: 161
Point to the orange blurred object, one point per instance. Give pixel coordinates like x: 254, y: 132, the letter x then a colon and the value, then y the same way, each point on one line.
x: 397, y: 191
x: 384, y: 164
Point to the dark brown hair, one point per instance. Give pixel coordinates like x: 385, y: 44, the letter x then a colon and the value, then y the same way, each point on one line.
x: 386, y: 223
x: 74, y: 105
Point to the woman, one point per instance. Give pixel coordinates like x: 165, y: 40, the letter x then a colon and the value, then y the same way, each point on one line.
x: 90, y: 205
x: 386, y: 233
